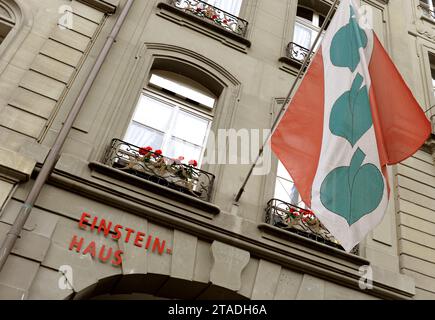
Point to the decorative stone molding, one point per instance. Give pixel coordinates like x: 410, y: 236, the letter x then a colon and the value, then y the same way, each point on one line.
x: 229, y: 263
x: 105, y: 6
x: 425, y: 30
x: 335, y: 265
x: 14, y: 166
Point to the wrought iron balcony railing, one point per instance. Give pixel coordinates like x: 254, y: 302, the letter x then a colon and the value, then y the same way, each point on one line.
x: 296, y: 52
x: 426, y: 11
x: 159, y: 169
x: 300, y: 221
x: 213, y: 14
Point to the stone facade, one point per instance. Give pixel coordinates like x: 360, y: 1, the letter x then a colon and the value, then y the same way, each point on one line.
x: 217, y: 249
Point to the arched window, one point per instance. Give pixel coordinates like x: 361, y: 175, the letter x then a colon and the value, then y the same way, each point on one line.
x: 432, y: 71
x: 7, y: 20
x: 174, y: 114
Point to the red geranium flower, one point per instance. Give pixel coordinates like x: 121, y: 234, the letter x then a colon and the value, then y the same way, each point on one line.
x: 193, y: 163
x: 214, y: 17
x: 144, y: 151
x: 158, y: 152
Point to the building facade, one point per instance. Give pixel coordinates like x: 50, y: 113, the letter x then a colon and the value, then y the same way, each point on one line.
x: 119, y: 220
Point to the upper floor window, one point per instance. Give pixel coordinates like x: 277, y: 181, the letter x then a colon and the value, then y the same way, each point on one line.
x: 7, y: 21
x: 428, y: 3
x: 307, y: 26
x: 174, y: 115
x: 432, y: 71
x: 222, y: 13
x: 428, y: 8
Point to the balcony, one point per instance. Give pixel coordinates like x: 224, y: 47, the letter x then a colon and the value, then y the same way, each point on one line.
x: 213, y: 15
x: 303, y: 222
x: 156, y: 168
x: 295, y: 55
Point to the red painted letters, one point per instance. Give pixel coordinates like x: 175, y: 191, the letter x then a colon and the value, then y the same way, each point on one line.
x: 128, y: 235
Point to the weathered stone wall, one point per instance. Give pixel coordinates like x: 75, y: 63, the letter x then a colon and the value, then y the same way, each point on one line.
x: 42, y: 71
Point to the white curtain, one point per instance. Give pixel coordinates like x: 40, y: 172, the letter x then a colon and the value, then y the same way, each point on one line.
x: 303, y: 36
x: 230, y: 6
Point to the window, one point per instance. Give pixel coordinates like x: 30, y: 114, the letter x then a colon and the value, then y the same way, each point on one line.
x: 428, y: 4
x: 428, y: 8
x: 307, y: 27
x: 432, y: 71
x: 7, y: 21
x: 285, y: 190
x: 174, y: 114
x: 231, y: 6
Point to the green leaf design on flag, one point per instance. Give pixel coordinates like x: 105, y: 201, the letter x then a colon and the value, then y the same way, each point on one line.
x: 351, y: 115
x: 355, y: 191
x: 346, y: 43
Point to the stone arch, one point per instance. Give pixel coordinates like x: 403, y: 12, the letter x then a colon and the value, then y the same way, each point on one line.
x: 221, y: 81
x: 153, y: 286
x: 20, y: 16
x: 218, y: 78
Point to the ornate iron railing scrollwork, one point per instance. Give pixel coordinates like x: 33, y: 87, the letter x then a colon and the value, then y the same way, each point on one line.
x: 296, y: 52
x: 219, y: 17
x: 303, y: 222
x: 159, y: 169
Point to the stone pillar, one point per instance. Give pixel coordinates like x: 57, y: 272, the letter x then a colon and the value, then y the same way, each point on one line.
x: 14, y: 168
x: 229, y: 262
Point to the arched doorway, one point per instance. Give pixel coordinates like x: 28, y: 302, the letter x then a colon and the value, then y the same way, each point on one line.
x: 153, y: 287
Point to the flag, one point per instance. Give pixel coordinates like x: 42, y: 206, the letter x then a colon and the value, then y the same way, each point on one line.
x: 352, y: 116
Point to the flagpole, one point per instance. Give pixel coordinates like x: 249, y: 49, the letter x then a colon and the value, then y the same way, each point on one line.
x: 286, y: 102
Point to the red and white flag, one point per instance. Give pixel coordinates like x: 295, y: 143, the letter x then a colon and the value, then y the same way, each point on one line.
x: 352, y: 115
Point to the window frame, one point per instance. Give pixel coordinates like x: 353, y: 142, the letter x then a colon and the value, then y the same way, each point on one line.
x: 309, y: 25
x: 428, y: 88
x: 178, y: 105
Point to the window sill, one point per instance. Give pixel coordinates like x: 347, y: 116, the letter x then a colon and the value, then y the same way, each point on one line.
x: 289, y: 65
x: 276, y: 234
x: 425, y: 18
x: 209, y: 209
x: 203, y: 26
